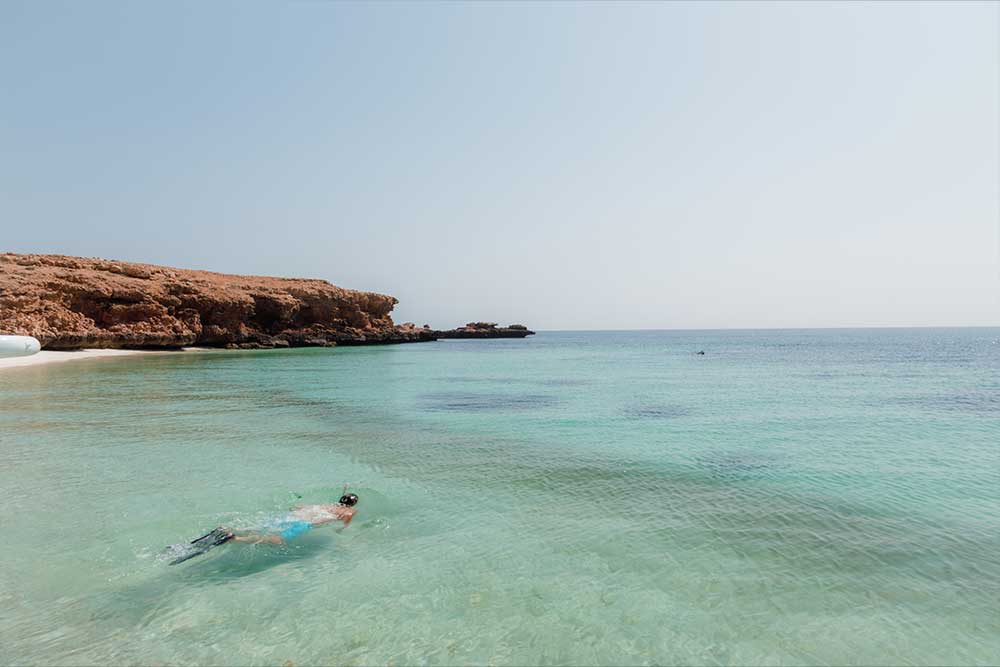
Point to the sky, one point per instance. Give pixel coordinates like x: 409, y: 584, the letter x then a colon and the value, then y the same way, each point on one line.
x: 567, y: 166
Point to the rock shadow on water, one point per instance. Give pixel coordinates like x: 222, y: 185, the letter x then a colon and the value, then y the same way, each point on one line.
x: 456, y: 401
x: 656, y: 411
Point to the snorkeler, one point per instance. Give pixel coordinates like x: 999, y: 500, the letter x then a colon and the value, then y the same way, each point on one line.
x: 301, y: 519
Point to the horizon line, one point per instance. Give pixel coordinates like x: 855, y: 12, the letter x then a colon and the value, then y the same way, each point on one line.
x: 797, y: 328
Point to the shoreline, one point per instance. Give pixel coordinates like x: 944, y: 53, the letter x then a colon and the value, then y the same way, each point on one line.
x: 59, y: 356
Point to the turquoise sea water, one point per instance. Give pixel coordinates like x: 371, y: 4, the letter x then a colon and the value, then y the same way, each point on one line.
x: 790, y: 497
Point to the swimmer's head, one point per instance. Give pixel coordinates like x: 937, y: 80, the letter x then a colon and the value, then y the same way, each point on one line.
x: 348, y: 500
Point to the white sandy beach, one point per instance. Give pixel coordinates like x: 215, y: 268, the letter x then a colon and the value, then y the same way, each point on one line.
x: 52, y: 357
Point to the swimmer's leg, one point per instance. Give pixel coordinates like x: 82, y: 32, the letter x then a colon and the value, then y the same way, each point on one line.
x: 257, y: 538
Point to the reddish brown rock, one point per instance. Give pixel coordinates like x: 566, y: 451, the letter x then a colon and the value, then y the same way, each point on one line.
x: 486, y: 330
x: 73, y: 302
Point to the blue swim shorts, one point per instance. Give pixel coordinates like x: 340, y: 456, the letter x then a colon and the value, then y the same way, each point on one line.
x: 290, y: 528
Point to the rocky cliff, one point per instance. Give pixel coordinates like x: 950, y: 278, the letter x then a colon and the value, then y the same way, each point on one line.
x: 72, y: 302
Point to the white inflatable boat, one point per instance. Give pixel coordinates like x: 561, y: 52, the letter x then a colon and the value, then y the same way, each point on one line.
x: 18, y: 346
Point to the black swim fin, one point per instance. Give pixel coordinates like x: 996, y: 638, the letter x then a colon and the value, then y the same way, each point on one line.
x: 202, y: 544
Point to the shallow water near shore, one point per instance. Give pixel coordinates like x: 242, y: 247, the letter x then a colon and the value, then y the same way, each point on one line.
x: 790, y: 497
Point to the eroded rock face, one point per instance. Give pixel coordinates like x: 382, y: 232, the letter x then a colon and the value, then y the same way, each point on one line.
x: 73, y: 302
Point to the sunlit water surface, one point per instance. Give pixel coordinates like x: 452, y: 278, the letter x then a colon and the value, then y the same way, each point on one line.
x: 790, y: 497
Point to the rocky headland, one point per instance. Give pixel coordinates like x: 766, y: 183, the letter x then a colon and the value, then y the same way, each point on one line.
x: 73, y: 302
x: 486, y: 330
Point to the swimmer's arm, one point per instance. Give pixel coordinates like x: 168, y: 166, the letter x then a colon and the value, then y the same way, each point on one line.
x: 347, y: 520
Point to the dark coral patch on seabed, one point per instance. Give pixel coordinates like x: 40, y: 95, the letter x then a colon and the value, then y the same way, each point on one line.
x: 473, y: 402
x: 656, y: 411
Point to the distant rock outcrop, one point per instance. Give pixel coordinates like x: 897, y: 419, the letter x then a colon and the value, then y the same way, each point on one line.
x: 72, y: 302
x: 486, y: 330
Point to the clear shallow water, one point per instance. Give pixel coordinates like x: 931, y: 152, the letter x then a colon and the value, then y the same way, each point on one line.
x: 791, y: 497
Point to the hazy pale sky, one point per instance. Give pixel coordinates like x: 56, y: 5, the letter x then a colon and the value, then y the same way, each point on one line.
x: 563, y: 165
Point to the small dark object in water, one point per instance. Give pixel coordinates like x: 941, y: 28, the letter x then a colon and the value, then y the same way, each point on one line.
x: 701, y: 352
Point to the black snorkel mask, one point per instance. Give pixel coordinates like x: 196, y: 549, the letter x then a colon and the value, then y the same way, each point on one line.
x: 348, y: 500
